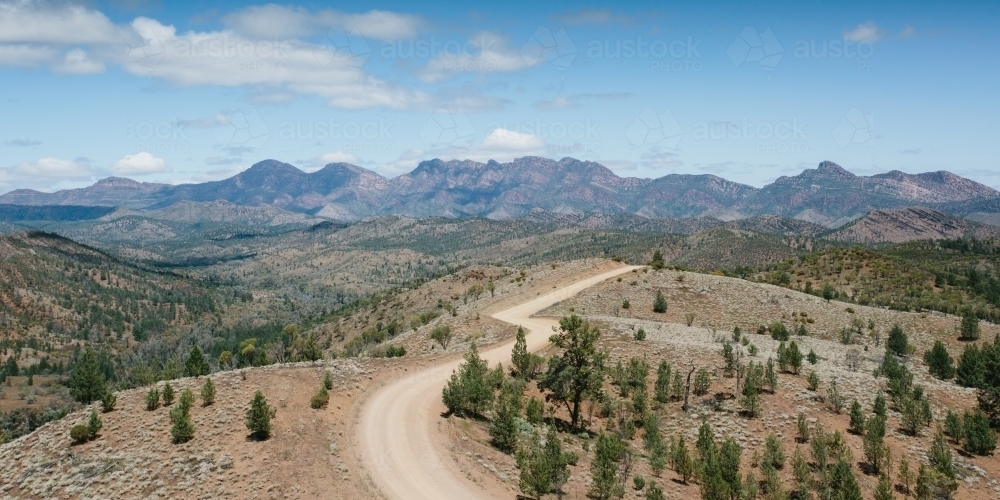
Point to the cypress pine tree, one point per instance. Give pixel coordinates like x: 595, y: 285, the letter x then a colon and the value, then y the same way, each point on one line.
x: 196, y: 366
x: 979, y: 438
x: 660, y: 303
x: 208, y: 392
x: 971, y: 367
x: 661, y: 390
x: 897, y: 342
x: 519, y: 357
x: 87, y: 383
x: 258, y: 417
x: 939, y: 362
x: 168, y: 394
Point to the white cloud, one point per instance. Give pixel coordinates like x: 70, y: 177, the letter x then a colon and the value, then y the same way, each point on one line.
x: 277, y: 21
x: 25, y: 55
x: 32, y: 22
x: 77, y: 62
x: 484, y: 53
x: 45, y: 173
x: 328, y: 158
x: 227, y: 59
x: 865, y: 32
x: 139, y: 164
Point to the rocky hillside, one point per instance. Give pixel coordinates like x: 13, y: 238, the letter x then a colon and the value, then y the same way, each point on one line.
x: 828, y: 195
x: 916, y: 223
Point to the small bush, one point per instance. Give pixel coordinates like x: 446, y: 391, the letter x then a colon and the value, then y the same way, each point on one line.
x: 328, y: 380
x: 108, y: 402
x: 168, y: 395
x: 94, y: 425
x: 320, y: 399
x: 640, y: 334
x: 659, y: 303
x: 80, y: 434
x: 258, y: 417
x: 813, y: 381
x: 153, y: 399
x: 395, y: 351
x: 208, y: 392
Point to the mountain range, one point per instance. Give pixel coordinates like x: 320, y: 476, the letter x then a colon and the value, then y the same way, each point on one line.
x: 828, y: 195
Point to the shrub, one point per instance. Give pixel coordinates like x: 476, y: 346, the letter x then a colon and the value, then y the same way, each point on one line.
x: 196, y: 366
x: 779, y: 331
x: 626, y: 304
x: 811, y: 357
x: 774, y: 452
x: 395, y: 351
x: 640, y: 334
x: 328, y: 380
x: 442, y: 335
x: 638, y: 483
x: 94, y: 425
x: 534, y: 411
x: 834, y: 398
x: 953, y: 426
x: 689, y: 318
x: 258, y: 417
x: 79, y: 433
x: 857, y: 425
x: 813, y: 381
x: 153, y: 399
x: 168, y: 394
x: 469, y: 391
x: 208, y: 392
x: 660, y: 303
x: 320, y: 399
x: 702, y: 382
x: 108, y: 402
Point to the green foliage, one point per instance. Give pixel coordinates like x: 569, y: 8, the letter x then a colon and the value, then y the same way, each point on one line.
x: 181, y: 429
x: 503, y: 425
x: 803, y: 428
x: 327, y: 380
x: 813, y: 381
x: 702, y: 382
x: 87, y: 383
x: 168, y: 394
x: 655, y: 492
x: 320, y: 399
x: 519, y: 356
x: 970, y: 371
x: 657, y: 262
x: 442, y: 335
x: 196, y: 366
x: 395, y: 351
x: 660, y: 303
x: 153, y: 399
x: 640, y: 334
x: 790, y: 357
x: 897, y: 341
x: 729, y: 357
x: 626, y: 304
x: 774, y: 452
x: 970, y: 327
x: 940, y: 458
x: 779, y: 331
x: 544, y: 467
x: 578, y: 370
x: 683, y: 464
x: 108, y: 402
x: 79, y: 434
x: 770, y: 376
x: 208, y: 392
x: 857, y: 423
x: 661, y: 389
x: 609, y: 452
x: 258, y: 417
x: 834, y: 397
x: 843, y: 484
x: 939, y: 362
x: 534, y: 411
x: 812, y: 358
x: 876, y: 451
x: 469, y: 391
x: 94, y: 425
x: 915, y: 411
x: 978, y: 437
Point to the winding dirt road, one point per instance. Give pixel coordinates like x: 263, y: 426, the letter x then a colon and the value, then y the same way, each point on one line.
x: 402, y: 447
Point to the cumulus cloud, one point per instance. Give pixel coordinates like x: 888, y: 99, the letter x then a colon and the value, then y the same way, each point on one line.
x: 77, y: 62
x: 45, y: 173
x: 37, y: 23
x: 139, y: 164
x: 277, y: 21
x: 865, y: 32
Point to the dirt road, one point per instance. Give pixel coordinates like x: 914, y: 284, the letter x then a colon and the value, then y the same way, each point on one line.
x: 402, y: 448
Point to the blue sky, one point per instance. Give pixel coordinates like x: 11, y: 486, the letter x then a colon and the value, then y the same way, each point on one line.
x: 171, y: 92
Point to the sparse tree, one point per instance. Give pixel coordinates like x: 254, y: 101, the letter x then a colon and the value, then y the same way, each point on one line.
x: 578, y: 371
x: 196, y: 366
x: 442, y: 335
x: 683, y: 464
x: 469, y: 391
x: 813, y: 381
x: 979, y: 438
x: 873, y: 443
x: 660, y: 303
x: 208, y: 392
x: 153, y: 399
x: 258, y: 417
x: 605, y: 468
x: 168, y: 394
x: 905, y: 475
x: 108, y: 402
x: 774, y: 451
x: 543, y: 467
x: 811, y: 357
x: 661, y: 389
x: 87, y: 382
x: 897, y: 341
x: 94, y: 425
x: 970, y: 326
x: 834, y: 398
x: 939, y: 362
x: 503, y: 425
x: 519, y: 356
x: 857, y: 425
x: 702, y: 382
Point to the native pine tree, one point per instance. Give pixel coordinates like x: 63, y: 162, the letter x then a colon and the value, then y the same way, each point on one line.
x: 196, y: 366
x: 258, y: 417
x: 578, y: 371
x: 87, y: 383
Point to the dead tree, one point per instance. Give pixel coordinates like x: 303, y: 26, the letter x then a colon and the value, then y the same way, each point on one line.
x: 687, y: 389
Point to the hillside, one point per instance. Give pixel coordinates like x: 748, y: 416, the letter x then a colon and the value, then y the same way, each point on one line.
x: 916, y: 223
